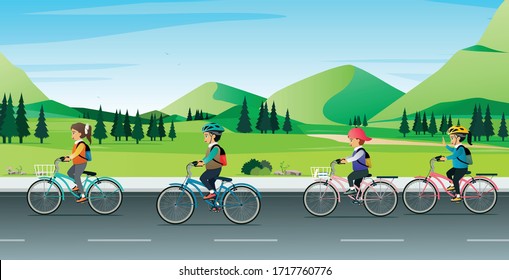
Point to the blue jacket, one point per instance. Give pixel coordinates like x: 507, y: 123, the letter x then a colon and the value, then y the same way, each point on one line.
x: 457, y: 153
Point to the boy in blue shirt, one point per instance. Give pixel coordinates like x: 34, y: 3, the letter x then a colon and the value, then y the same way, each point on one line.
x: 458, y: 157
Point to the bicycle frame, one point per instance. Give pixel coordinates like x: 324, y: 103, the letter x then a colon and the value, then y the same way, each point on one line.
x: 197, y: 184
x: 335, y: 180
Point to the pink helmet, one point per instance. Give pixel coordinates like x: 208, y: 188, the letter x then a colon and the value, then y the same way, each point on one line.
x: 358, y: 133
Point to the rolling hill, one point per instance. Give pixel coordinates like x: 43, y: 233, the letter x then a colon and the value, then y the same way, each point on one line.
x: 15, y: 81
x: 212, y: 98
x: 480, y: 71
x: 335, y: 95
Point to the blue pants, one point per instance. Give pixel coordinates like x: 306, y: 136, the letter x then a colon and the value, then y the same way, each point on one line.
x: 208, y: 178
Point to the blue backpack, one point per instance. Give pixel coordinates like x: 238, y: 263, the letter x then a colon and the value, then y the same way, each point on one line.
x: 88, y: 152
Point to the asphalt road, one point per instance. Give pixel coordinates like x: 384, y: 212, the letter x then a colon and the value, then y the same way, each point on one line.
x: 283, y: 230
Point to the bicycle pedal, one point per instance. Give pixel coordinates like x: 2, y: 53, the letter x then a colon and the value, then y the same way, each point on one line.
x: 357, y: 202
x: 215, y: 210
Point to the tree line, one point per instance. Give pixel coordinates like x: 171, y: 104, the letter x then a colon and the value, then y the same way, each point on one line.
x: 265, y: 122
x: 478, y: 126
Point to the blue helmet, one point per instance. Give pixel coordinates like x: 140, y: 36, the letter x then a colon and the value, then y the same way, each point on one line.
x: 213, y: 128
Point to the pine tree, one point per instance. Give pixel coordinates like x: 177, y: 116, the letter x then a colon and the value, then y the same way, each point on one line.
x: 404, y: 128
x: 449, y: 123
x: 488, y: 124
x: 201, y: 115
x: 274, y: 123
x: 261, y: 116
x: 100, y: 128
x: 350, y: 122
x: 160, y: 129
x: 477, y: 126
x: 207, y: 116
x: 21, y: 120
x: 424, y: 124
x: 119, y: 128
x: 244, y: 125
x: 197, y: 115
x: 127, y: 126
x: 458, y: 123
x: 417, y: 123
x: 154, y: 132
x: 172, y: 133
x: 114, y: 126
x: 266, y: 119
x: 189, y: 116
x: 502, y: 131
x: 443, y: 125
x: 365, y: 121
x: 432, y: 125
x: 138, y: 128
x: 41, y: 130
x: 3, y: 111
x: 287, y: 125
x: 150, y: 128
x: 9, y: 128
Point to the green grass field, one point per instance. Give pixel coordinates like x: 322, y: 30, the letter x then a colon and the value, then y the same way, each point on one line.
x: 166, y: 158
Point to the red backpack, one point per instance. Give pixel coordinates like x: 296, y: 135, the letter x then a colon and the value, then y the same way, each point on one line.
x: 222, y: 155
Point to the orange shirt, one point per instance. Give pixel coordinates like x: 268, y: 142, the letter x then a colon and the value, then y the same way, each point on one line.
x: 78, y: 153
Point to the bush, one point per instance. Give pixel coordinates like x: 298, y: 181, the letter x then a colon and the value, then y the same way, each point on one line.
x: 248, y: 166
x: 260, y: 171
x: 255, y: 171
x: 266, y: 164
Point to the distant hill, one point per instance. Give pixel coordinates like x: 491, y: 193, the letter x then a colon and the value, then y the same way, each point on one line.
x: 335, y: 95
x: 52, y: 109
x: 478, y: 71
x: 212, y: 98
x: 15, y: 81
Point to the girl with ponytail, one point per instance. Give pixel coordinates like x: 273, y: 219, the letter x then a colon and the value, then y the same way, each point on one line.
x: 78, y: 156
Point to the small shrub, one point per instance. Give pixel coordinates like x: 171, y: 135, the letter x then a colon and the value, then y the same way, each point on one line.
x: 266, y: 164
x: 264, y: 171
x: 248, y: 166
x: 255, y: 171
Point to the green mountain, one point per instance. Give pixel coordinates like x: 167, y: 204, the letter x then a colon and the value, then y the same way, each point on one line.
x: 212, y: 98
x: 478, y: 71
x: 15, y: 81
x: 334, y: 96
x: 52, y: 109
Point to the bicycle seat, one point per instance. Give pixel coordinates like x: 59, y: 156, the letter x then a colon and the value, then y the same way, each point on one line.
x: 90, y: 173
x: 367, y: 176
x: 225, y: 179
x: 468, y: 172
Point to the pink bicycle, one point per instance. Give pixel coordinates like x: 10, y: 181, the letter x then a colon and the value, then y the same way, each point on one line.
x: 479, y: 193
x: 379, y: 196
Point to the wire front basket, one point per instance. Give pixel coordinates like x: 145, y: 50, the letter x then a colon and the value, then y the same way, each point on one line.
x: 320, y: 172
x: 44, y: 169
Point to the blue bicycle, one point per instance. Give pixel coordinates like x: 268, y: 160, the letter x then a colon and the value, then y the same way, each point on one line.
x: 45, y: 195
x: 240, y: 202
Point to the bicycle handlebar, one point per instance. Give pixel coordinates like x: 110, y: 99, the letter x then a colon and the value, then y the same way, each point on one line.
x: 333, y: 165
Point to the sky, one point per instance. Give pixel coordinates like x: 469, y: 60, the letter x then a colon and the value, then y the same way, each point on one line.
x: 143, y: 55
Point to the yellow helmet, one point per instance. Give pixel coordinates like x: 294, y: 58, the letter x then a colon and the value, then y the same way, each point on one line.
x: 457, y: 129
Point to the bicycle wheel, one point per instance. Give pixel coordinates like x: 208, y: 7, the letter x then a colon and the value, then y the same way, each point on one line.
x: 241, y: 204
x: 320, y: 199
x: 44, y: 197
x: 175, y: 205
x: 420, y: 196
x: 380, y: 199
x: 104, y: 196
x: 479, y: 196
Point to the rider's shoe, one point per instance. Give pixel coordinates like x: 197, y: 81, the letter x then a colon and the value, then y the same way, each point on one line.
x: 456, y: 199
x: 216, y: 209
x: 81, y: 200
x: 350, y: 191
x: 75, y: 189
x: 450, y: 188
x: 210, y: 196
x: 358, y: 202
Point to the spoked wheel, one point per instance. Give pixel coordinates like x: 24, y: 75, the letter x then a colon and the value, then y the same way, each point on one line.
x: 241, y: 204
x: 479, y: 196
x: 320, y: 199
x: 104, y: 196
x: 380, y: 199
x: 420, y: 196
x: 44, y: 197
x: 175, y: 205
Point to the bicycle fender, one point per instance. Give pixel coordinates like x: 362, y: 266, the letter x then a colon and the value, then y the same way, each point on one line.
x: 480, y: 178
x: 109, y: 179
x: 186, y: 188
x: 246, y: 185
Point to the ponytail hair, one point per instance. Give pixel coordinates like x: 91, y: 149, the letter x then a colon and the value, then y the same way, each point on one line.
x: 84, y: 129
x: 466, y: 136
x: 469, y: 138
